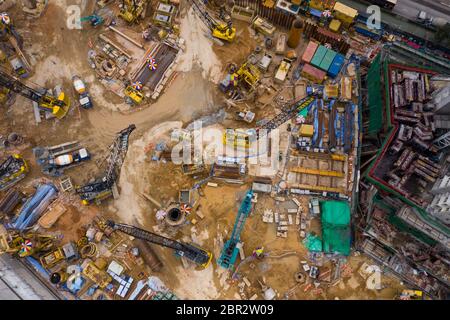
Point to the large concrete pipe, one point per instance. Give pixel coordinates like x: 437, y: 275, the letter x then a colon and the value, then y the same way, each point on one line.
x: 294, y: 34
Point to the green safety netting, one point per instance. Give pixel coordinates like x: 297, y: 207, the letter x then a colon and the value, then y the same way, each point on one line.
x: 336, y: 233
x: 313, y: 243
x: 375, y: 101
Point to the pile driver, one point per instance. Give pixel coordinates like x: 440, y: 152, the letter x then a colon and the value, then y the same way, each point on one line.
x: 219, y: 30
x: 102, y: 188
x: 199, y: 256
x: 56, y: 106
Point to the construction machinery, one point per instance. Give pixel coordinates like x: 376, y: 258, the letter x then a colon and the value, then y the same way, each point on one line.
x: 103, y: 187
x: 248, y: 75
x: 7, y: 28
x: 94, y: 19
x: 56, y: 106
x: 286, y: 115
x: 52, y: 258
x: 132, y: 9
x: 199, y: 256
x: 54, y: 160
x: 134, y: 95
x: 12, y: 170
x: 230, y: 250
x: 219, y: 29
x: 84, y: 97
x: 29, y: 243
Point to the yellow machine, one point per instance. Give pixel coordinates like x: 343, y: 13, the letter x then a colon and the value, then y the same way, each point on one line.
x: 411, y: 295
x: 51, y: 259
x: 239, y: 138
x: 57, y: 106
x: 31, y: 243
x: 100, y: 277
x: 219, y: 30
x: 132, y: 9
x: 249, y: 74
x: 223, y: 31
x: 135, y: 96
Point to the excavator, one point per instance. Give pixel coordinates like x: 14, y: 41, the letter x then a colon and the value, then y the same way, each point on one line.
x: 199, y: 256
x: 219, y: 29
x: 57, y: 106
x: 132, y: 9
x: 12, y: 170
x: 103, y: 188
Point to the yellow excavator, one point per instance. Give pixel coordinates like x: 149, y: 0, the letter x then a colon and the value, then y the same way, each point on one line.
x: 219, y: 29
x: 132, y: 9
x: 57, y: 106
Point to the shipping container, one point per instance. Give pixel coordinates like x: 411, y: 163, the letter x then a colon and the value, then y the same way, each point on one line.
x: 313, y: 74
x: 310, y: 51
x: 344, y: 13
x: 327, y: 60
x: 336, y: 66
x: 318, y: 56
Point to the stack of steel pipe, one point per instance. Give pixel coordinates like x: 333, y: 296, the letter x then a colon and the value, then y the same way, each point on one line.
x: 9, y: 202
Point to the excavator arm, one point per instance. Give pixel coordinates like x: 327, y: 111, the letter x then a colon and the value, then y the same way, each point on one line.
x: 199, y: 256
x: 219, y: 30
x: 57, y: 106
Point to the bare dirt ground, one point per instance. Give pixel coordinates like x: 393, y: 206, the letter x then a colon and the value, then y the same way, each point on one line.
x: 58, y: 53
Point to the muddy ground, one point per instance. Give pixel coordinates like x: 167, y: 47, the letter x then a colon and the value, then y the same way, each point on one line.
x: 58, y: 53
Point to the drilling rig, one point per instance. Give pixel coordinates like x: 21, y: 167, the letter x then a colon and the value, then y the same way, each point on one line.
x: 102, y: 188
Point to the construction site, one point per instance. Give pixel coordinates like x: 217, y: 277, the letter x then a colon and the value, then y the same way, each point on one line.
x: 233, y: 150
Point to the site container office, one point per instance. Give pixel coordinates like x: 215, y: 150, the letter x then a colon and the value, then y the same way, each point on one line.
x: 327, y: 60
x: 336, y: 66
x: 310, y: 51
x: 318, y: 56
x: 312, y: 73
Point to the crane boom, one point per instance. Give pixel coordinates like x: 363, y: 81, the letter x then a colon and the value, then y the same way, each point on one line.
x: 229, y: 252
x: 57, y: 106
x: 102, y: 188
x: 219, y: 30
x: 286, y: 115
x: 199, y: 256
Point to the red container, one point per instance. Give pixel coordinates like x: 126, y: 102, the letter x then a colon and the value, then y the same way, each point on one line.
x: 309, y: 52
x: 313, y: 74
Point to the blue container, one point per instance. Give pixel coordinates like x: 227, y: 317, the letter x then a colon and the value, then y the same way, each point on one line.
x: 336, y: 65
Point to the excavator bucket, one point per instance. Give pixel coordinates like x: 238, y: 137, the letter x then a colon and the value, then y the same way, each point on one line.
x: 58, y: 107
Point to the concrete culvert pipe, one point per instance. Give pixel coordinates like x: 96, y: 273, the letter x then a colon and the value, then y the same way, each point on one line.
x: 174, y: 216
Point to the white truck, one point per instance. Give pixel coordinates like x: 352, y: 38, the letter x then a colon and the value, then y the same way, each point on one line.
x: 84, y: 97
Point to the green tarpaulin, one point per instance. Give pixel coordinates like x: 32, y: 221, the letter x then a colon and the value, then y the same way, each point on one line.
x: 336, y: 234
x: 313, y: 243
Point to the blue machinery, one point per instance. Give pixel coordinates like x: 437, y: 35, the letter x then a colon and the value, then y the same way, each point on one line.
x: 230, y: 251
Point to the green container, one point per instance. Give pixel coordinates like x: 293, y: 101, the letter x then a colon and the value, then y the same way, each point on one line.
x: 327, y: 60
x: 318, y: 56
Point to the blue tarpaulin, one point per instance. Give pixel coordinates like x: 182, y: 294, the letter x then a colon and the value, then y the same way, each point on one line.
x: 35, y: 206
